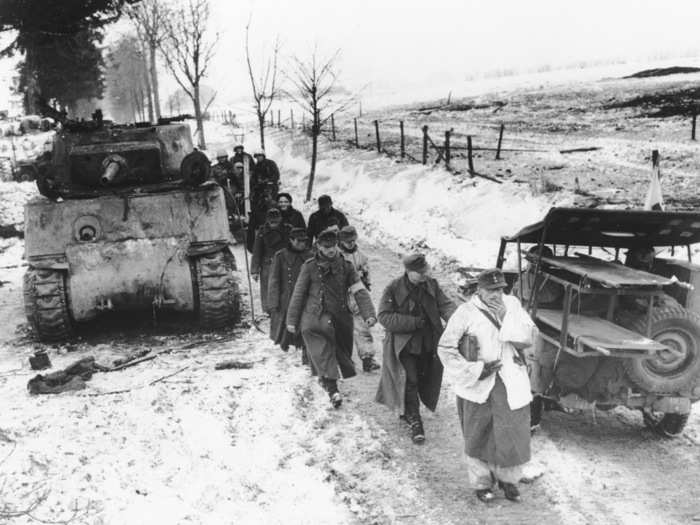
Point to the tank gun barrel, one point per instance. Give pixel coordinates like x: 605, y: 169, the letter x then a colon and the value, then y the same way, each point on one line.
x: 114, y: 170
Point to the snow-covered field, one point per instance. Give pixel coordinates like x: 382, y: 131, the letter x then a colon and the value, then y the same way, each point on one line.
x: 174, y: 441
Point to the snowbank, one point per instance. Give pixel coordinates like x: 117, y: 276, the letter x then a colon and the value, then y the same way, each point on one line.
x: 411, y: 206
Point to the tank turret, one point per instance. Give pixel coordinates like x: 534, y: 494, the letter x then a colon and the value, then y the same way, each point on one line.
x: 90, y: 158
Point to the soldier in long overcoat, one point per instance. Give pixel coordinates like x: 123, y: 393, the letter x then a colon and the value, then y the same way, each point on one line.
x: 270, y: 238
x: 286, y: 265
x: 318, y: 308
x: 411, y: 311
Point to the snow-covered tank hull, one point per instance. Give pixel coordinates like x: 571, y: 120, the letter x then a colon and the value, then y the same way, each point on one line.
x: 162, y: 246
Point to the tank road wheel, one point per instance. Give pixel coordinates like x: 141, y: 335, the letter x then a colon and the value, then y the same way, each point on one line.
x: 674, y: 370
x: 46, y: 304
x: 667, y: 425
x: 216, y: 290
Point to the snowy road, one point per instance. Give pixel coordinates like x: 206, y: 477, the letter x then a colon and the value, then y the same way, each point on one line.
x: 263, y: 446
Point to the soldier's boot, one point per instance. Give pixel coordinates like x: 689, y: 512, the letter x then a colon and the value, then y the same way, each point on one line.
x: 369, y: 364
x: 331, y: 386
x: 417, y: 432
x: 510, y: 490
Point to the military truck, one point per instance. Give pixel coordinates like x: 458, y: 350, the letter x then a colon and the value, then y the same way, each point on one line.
x: 127, y: 220
x: 612, y: 334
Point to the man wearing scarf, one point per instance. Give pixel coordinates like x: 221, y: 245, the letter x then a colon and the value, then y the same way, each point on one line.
x: 363, y: 336
x: 318, y: 308
x: 286, y: 265
x: 491, y: 383
x: 270, y: 238
x: 411, y: 310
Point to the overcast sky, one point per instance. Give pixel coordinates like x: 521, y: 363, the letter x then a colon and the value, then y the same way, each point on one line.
x: 388, y: 41
x: 403, y: 44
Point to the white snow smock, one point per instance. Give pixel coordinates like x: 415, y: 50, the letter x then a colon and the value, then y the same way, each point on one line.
x: 493, y: 344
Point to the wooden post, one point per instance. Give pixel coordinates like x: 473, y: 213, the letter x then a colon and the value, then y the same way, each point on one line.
x: 357, y: 140
x: 692, y: 133
x: 291, y: 118
x: 376, y: 133
x: 500, y: 140
x: 279, y: 118
x: 403, y: 141
x: 360, y: 115
x: 447, y: 149
x: 470, y: 158
x: 425, y: 144
x: 333, y: 125
x: 272, y: 119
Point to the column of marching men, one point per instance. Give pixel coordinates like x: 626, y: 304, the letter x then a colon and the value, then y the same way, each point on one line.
x: 314, y: 285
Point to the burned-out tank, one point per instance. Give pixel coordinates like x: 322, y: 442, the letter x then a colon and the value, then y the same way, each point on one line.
x: 128, y: 220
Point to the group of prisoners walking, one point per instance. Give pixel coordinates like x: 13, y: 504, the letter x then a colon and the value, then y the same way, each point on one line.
x: 314, y: 285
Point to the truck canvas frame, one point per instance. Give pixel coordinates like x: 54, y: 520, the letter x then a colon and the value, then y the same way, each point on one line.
x: 612, y: 334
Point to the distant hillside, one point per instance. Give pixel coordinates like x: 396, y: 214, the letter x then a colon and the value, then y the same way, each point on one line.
x: 664, y: 71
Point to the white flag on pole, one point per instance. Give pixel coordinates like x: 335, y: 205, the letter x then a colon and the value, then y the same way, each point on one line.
x: 654, y: 200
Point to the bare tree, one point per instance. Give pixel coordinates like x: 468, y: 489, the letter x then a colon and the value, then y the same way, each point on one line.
x: 149, y: 18
x: 188, y: 51
x: 315, y: 87
x: 265, y: 89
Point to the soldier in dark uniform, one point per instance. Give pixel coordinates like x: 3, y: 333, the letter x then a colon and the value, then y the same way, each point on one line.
x: 318, y: 308
x: 286, y: 265
x: 265, y: 173
x: 321, y: 219
x: 269, y: 239
x: 239, y: 155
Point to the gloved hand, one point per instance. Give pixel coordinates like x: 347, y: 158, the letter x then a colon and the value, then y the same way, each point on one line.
x: 489, y: 368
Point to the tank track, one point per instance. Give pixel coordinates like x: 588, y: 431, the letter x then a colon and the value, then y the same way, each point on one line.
x: 46, y: 304
x: 216, y: 290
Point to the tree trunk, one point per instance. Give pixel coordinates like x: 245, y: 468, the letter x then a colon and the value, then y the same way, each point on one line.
x: 154, y: 81
x: 261, y: 124
x: 198, y: 116
x: 314, y: 151
x: 31, y: 94
x: 149, y: 95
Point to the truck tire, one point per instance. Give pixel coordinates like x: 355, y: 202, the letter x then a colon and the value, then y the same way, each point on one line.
x: 674, y: 371
x: 217, y: 303
x: 46, y: 304
x: 666, y: 425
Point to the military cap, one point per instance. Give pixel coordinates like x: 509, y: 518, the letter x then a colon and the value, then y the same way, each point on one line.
x: 259, y: 153
x: 221, y: 153
x: 238, y: 146
x: 415, y: 262
x: 237, y: 164
x: 347, y: 233
x: 491, y: 279
x: 299, y: 234
x: 328, y: 238
x: 324, y: 199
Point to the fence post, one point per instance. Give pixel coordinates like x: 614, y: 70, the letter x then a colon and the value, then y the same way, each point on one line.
x: 500, y: 140
x: 692, y: 133
x: 357, y: 140
x: 447, y: 149
x: 425, y: 144
x: 279, y: 118
x: 403, y: 142
x: 470, y: 159
x: 291, y: 118
x: 376, y: 133
x: 333, y: 125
